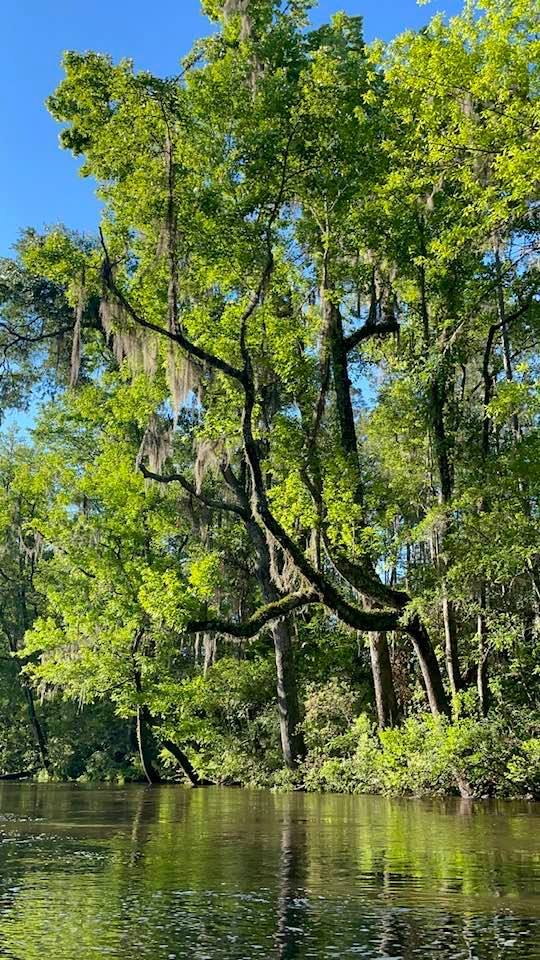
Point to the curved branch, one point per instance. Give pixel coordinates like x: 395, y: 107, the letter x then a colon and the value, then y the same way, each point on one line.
x: 210, y: 502
x: 176, y: 336
x: 254, y: 624
x: 258, y: 294
x: 365, y: 581
x: 328, y: 595
x: 370, y: 330
x: 520, y: 311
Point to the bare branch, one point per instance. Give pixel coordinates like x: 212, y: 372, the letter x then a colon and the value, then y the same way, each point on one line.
x: 446, y: 344
x: 211, y: 502
x: 369, y: 330
x: 258, y: 294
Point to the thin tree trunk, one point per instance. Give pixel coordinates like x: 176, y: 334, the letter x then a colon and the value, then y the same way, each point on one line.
x: 143, y: 743
x: 447, y: 482
x: 144, y: 721
x: 292, y: 740
x: 429, y: 665
x: 507, y: 356
x: 185, y: 764
x: 450, y: 644
x: 39, y: 734
x: 37, y: 727
x: 35, y: 723
x: 444, y: 464
x: 483, y: 506
x: 482, y: 671
x: 383, y: 681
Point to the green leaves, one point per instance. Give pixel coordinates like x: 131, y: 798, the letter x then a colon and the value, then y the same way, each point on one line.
x: 311, y: 310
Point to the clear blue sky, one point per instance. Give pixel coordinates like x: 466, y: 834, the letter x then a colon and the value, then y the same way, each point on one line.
x: 39, y: 184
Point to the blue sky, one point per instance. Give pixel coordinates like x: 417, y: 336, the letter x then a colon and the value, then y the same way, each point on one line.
x: 39, y: 184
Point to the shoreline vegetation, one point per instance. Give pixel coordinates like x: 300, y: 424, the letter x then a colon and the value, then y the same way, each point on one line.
x: 276, y: 522
x: 425, y: 760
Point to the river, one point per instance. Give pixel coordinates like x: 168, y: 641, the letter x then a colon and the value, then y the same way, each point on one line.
x: 166, y: 873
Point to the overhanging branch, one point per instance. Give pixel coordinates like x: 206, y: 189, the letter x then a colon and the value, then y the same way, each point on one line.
x: 176, y: 336
x: 370, y: 330
x: 365, y: 581
x: 253, y: 625
x: 211, y: 502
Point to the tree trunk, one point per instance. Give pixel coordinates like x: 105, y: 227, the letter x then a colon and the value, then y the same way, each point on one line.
x: 450, y: 644
x: 333, y: 326
x: 482, y: 670
x: 438, y: 397
x: 144, y: 721
x: 383, y: 681
x: 37, y: 728
x: 422, y: 644
x: 39, y: 734
x: 507, y: 355
x: 429, y: 665
x: 143, y: 743
x: 292, y: 741
x: 35, y: 723
x: 185, y: 764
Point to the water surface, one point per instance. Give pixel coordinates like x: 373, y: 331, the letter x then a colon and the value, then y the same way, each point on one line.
x: 167, y: 873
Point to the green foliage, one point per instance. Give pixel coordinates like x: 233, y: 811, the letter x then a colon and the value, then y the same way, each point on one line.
x: 428, y: 756
x: 298, y: 365
x: 230, y: 714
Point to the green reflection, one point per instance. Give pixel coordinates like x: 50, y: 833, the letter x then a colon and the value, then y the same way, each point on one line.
x: 135, y: 872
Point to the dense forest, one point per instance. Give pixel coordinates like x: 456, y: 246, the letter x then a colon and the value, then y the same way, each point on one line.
x: 276, y: 520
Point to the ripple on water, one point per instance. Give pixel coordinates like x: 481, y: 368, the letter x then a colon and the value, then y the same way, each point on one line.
x: 231, y: 874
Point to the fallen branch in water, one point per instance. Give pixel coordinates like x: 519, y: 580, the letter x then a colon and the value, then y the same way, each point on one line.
x: 22, y: 775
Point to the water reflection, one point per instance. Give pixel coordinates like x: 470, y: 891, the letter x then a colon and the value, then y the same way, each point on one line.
x: 213, y: 874
x: 292, y: 913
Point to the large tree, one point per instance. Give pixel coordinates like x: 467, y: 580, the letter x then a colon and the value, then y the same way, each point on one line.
x: 291, y: 214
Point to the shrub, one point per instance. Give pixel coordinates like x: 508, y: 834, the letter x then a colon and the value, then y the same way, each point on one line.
x: 426, y: 756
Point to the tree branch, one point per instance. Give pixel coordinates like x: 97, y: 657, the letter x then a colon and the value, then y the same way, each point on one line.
x: 520, y: 311
x: 381, y: 620
x: 211, y: 502
x: 254, y: 624
x: 365, y: 581
x: 369, y: 330
x: 176, y: 336
x: 350, y: 615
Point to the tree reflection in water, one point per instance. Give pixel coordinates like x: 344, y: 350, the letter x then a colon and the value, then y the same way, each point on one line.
x: 292, y: 904
x: 232, y: 874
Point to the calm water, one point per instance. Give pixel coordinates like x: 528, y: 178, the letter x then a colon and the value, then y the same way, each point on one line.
x: 174, y: 873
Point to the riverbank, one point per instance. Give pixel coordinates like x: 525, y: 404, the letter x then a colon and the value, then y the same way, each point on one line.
x: 424, y: 757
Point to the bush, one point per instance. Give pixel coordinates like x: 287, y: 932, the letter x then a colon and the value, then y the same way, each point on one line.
x: 427, y: 756
x: 329, y: 714
x: 226, y: 720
